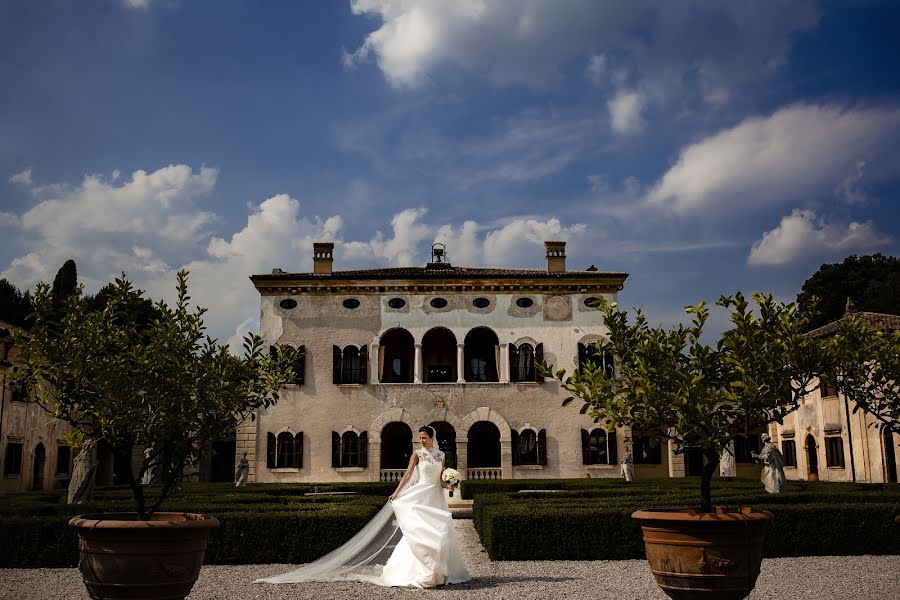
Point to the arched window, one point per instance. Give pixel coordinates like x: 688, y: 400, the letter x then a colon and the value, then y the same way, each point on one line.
x: 597, y: 355
x: 349, y: 449
x: 396, y: 356
x: 284, y: 451
x: 529, y: 447
x: 350, y: 364
x: 439, y: 356
x: 523, y: 362
x: 481, y: 348
x: 599, y: 447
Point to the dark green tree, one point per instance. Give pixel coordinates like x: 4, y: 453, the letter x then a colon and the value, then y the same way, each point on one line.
x: 135, y: 307
x: 15, y: 306
x: 872, y: 282
x: 65, y: 283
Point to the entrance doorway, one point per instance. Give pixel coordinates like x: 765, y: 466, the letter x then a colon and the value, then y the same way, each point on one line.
x: 446, y: 441
x: 484, y: 446
x: 812, y: 458
x: 693, y: 462
x: 890, y: 458
x: 37, y: 467
x: 222, y: 462
x: 396, y: 445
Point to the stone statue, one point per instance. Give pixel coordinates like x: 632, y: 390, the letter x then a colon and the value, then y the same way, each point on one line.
x: 727, y: 467
x: 84, y: 472
x: 147, y: 479
x: 773, y: 466
x: 628, y: 465
x: 242, y: 472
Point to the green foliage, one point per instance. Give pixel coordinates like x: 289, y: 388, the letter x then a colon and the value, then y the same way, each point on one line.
x: 162, y: 385
x: 65, y: 284
x: 873, y: 282
x: 868, y: 369
x: 592, y: 521
x: 671, y: 385
x: 15, y: 306
x: 259, y: 524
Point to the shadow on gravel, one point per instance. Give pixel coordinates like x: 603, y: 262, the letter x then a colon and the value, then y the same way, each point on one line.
x: 479, y: 583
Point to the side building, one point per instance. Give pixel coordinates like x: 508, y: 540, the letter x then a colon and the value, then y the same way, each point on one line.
x: 825, y: 440
x: 386, y: 351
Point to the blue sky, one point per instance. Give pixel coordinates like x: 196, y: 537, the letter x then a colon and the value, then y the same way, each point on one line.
x: 703, y: 147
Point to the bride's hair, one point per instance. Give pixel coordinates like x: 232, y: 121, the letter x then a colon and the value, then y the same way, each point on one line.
x: 429, y: 430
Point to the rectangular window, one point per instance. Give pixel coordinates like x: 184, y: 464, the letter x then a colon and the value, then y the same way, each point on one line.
x: 12, y: 464
x: 827, y: 385
x: 63, y: 460
x: 834, y: 451
x: 789, y: 450
x: 647, y: 453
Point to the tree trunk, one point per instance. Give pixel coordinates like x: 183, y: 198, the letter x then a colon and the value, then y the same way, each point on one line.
x: 706, y: 480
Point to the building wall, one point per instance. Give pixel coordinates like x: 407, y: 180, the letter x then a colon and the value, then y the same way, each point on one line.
x: 319, y: 407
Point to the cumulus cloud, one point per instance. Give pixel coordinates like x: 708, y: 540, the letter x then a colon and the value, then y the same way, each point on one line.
x: 8, y: 219
x: 625, y: 112
x: 803, y: 236
x: 789, y: 156
x: 850, y: 190
x: 22, y: 178
x: 713, y: 47
x: 139, y: 4
x: 399, y: 250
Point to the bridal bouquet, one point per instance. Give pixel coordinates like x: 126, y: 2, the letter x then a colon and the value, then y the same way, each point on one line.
x: 450, y: 476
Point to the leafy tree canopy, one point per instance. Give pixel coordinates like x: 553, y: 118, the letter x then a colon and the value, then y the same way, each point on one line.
x: 872, y: 282
x: 15, y: 306
x: 65, y: 283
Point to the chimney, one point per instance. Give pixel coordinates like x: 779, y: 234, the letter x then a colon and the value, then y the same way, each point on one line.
x: 323, y: 257
x: 556, y: 257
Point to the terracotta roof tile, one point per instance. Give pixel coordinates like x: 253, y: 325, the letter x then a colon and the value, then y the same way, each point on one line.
x: 876, y: 320
x: 436, y: 272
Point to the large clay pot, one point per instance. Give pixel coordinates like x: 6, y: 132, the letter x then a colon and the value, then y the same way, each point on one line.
x: 123, y: 557
x: 712, y: 556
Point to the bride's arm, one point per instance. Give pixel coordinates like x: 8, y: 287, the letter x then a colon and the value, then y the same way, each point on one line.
x: 413, y: 461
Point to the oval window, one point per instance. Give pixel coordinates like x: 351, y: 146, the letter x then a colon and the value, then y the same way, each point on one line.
x: 524, y: 302
x: 438, y: 303
x: 481, y: 302
x: 351, y: 303
x: 288, y: 304
x: 396, y: 302
x: 591, y: 302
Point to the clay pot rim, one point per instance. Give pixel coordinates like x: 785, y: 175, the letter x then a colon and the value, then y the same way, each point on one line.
x: 129, y: 520
x: 693, y: 515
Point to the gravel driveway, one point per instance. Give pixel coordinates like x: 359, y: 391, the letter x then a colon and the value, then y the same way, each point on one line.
x: 814, y: 578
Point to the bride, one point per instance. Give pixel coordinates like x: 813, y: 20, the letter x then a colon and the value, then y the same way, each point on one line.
x: 409, y: 543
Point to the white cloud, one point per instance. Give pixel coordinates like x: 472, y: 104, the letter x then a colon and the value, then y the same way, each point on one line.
x: 596, y: 68
x: 790, y: 156
x: 713, y: 47
x: 22, y: 178
x: 139, y: 4
x: 803, y: 236
x: 9, y: 219
x: 400, y: 250
x: 625, y: 112
x: 850, y: 190
x: 515, y: 242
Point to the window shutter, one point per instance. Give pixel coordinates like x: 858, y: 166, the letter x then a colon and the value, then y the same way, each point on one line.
x: 542, y: 447
x: 585, y: 447
x: 363, y: 448
x: 270, y: 451
x: 514, y: 363
x: 300, y: 366
x: 363, y: 364
x: 298, y: 450
x: 538, y: 359
x: 516, y: 449
x: 336, y: 365
x: 335, y: 450
x: 612, y: 445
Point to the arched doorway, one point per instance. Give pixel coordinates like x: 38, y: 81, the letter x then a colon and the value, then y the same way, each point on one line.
x: 397, y: 352
x: 812, y: 458
x: 890, y: 459
x: 446, y: 440
x: 396, y: 445
x: 37, y: 467
x: 481, y: 349
x: 484, y: 446
x: 439, y: 356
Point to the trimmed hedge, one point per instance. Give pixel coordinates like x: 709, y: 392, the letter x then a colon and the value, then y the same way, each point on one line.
x: 258, y: 524
x: 593, y: 521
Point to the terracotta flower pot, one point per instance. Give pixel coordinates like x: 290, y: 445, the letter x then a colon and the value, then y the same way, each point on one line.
x: 709, y: 556
x: 123, y: 557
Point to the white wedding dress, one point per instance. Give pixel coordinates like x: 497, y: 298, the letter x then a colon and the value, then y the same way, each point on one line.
x: 409, y: 543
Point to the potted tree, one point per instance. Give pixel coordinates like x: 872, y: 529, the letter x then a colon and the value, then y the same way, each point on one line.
x: 161, y: 388
x: 671, y: 385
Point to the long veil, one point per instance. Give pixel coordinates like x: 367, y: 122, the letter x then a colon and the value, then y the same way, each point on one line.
x: 361, y: 558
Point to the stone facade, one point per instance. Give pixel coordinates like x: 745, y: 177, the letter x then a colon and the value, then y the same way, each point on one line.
x: 426, y: 323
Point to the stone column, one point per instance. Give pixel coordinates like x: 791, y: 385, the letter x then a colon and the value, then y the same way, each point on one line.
x: 376, y: 357
x: 417, y: 370
x: 460, y: 364
x: 245, y: 441
x: 462, y: 455
x: 677, y: 467
x: 504, y: 363
x: 506, y: 452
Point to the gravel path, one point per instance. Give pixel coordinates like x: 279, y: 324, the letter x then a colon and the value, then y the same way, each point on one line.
x: 813, y: 578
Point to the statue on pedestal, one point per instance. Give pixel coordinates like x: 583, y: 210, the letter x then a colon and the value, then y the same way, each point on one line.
x: 727, y: 468
x: 628, y: 465
x: 773, y: 466
x: 147, y: 479
x: 242, y: 472
x: 81, y: 488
